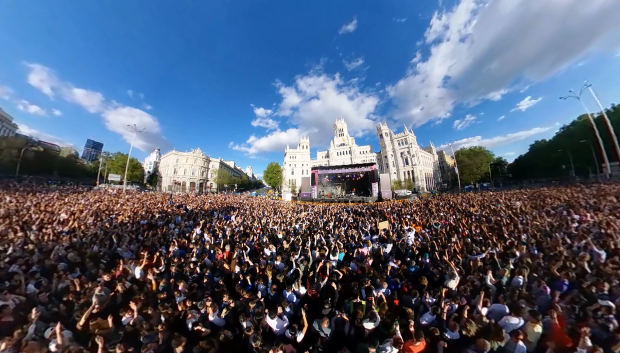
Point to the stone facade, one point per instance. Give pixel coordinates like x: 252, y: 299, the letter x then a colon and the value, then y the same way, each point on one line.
x: 400, y: 157
x: 446, y: 167
x: 8, y: 127
x: 184, y: 171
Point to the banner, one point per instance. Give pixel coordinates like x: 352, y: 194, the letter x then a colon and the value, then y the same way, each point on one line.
x: 114, y: 177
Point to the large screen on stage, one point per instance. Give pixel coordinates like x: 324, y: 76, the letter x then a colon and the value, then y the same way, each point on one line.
x: 305, y: 184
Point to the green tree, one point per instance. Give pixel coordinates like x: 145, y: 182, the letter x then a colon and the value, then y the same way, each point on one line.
x: 273, y: 175
x: 551, y: 159
x: 116, y: 165
x: 409, y: 184
x: 473, y: 164
x: 397, y: 185
x: 152, y: 179
x: 223, y: 178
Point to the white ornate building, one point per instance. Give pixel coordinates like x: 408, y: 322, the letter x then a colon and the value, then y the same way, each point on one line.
x: 403, y: 159
x: 7, y: 125
x: 151, y: 162
x: 400, y: 157
x: 184, y: 171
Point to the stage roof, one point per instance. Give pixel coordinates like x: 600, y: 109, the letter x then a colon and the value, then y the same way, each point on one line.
x: 344, y: 166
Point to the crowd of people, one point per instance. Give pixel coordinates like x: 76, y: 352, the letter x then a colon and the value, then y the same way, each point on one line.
x: 111, y: 271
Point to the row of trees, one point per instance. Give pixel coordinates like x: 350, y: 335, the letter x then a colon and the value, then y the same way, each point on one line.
x: 576, y: 141
x: 41, y: 161
x: 223, y: 178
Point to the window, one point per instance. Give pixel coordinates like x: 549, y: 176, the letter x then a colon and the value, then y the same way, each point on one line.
x: 406, y: 161
x: 292, y: 171
x: 184, y: 171
x: 177, y: 161
x: 193, y: 172
x: 175, y: 171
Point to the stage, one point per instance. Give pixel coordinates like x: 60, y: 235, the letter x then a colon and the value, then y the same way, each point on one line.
x: 353, y: 183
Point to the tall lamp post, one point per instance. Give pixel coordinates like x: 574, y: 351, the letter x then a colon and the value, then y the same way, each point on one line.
x: 136, y: 131
x: 577, y: 96
x: 21, y: 154
x: 456, y: 165
x: 598, y: 169
x: 605, y: 119
x: 570, y: 158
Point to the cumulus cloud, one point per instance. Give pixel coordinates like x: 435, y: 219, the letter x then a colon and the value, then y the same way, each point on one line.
x: 42, y: 136
x: 310, y: 105
x: 116, y: 117
x: 56, y: 112
x: 473, y: 56
x: 353, y: 64
x: 501, y: 118
x: 267, y: 123
x: 526, y: 104
x: 460, y: 124
x: 349, y: 27
x: 496, y: 141
x: 261, y: 112
x: 5, y: 92
x: 28, y: 107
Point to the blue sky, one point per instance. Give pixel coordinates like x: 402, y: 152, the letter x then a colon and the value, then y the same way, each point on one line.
x: 242, y: 79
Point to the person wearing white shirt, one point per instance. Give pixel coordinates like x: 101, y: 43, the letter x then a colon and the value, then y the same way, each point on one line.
x: 278, y: 323
x: 294, y: 334
x: 513, y: 321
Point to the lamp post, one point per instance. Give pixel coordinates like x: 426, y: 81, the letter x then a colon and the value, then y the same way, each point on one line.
x: 21, y: 154
x: 598, y: 169
x: 136, y: 131
x: 570, y: 158
x: 577, y: 96
x: 456, y: 165
x: 605, y: 119
x: 490, y: 175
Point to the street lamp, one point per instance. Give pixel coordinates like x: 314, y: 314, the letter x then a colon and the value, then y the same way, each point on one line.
x: 598, y: 170
x: 136, y: 131
x: 21, y: 154
x: 577, y: 96
x: 456, y: 165
x: 605, y: 119
x: 570, y: 158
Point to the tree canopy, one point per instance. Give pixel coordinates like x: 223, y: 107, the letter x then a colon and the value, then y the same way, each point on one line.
x: 273, y: 175
x: 473, y: 164
x: 116, y: 165
x: 44, y: 163
x: 552, y: 158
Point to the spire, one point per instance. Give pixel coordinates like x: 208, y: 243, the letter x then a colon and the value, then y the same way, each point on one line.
x: 406, y: 129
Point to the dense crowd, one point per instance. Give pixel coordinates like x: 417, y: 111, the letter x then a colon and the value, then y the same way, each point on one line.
x: 107, y: 271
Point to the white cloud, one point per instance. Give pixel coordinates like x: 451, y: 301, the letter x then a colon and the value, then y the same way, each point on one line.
x: 267, y: 123
x: 261, y: 112
x: 494, y: 141
x: 56, y: 112
x: 526, y: 104
x: 116, y: 117
x: 473, y: 56
x: 501, y: 118
x: 275, y: 141
x: 400, y: 20
x: 28, y: 107
x: 147, y: 107
x: 90, y: 100
x: 310, y: 105
x: 5, y: 92
x: 42, y: 136
x: 43, y: 79
x: 130, y: 93
x: 349, y: 27
x: 465, y: 122
x: 353, y: 64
